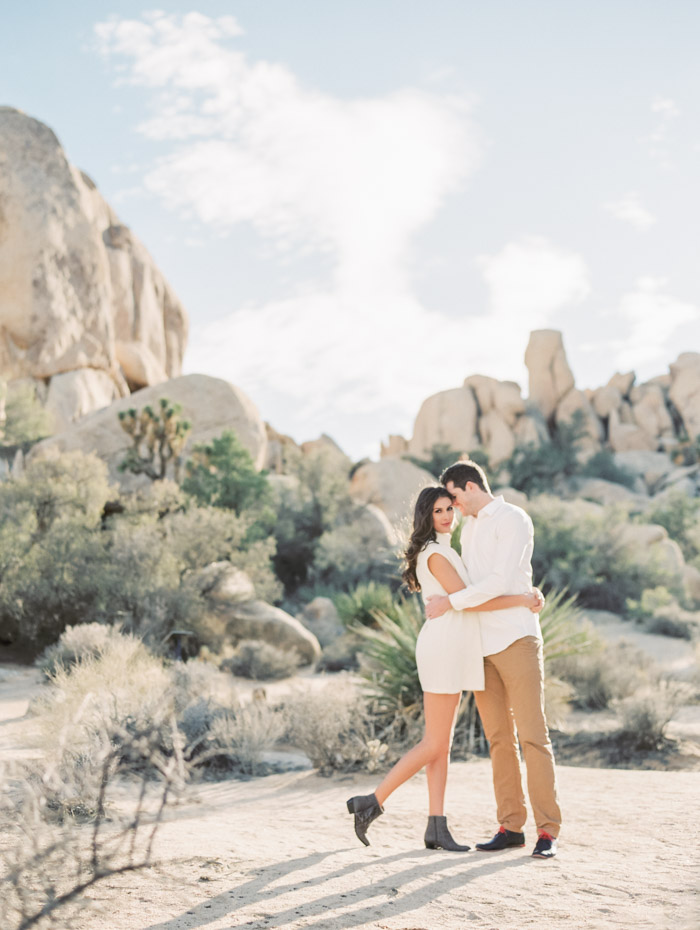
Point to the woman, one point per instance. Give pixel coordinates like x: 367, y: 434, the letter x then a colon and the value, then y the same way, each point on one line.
x: 449, y: 659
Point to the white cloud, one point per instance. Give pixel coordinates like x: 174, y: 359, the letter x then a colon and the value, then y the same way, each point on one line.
x: 652, y: 319
x: 667, y: 111
x: 532, y: 278
x: 630, y: 209
x: 352, y: 180
x: 665, y: 105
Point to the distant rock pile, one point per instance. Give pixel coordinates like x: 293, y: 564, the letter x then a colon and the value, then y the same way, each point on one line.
x: 85, y: 314
x: 621, y: 416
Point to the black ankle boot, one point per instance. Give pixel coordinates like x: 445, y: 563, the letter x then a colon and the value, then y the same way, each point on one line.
x: 366, y: 808
x: 437, y: 836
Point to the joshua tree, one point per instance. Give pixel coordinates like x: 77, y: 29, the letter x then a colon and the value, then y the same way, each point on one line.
x: 161, y: 435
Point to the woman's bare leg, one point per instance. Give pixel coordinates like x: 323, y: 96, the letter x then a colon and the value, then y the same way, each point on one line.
x: 440, y: 710
x: 436, y: 770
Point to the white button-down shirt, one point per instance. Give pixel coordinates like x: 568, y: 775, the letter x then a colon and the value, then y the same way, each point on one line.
x: 497, y: 551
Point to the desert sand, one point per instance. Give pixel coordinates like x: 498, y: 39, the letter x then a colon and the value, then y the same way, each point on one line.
x: 279, y: 852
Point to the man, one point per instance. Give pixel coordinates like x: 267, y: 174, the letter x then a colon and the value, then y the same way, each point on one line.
x: 497, y: 543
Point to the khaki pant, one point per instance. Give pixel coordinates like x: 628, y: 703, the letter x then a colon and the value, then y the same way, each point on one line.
x: 513, y: 696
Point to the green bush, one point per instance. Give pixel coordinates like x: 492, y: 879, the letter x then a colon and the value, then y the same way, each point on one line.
x: 584, y: 548
x: 262, y: 661
x: 312, y: 505
x: 660, y: 612
x: 679, y: 514
x: 221, y: 473
x: 438, y: 458
x: 603, y: 465
x: 26, y: 418
x: 534, y: 469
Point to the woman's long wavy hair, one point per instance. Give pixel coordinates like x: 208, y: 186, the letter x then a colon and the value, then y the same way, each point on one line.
x: 423, y: 532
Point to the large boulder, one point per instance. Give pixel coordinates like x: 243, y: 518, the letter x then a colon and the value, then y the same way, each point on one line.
x: 78, y: 291
x: 608, y: 493
x: 550, y: 377
x: 685, y: 391
x: 394, y: 446
x: 625, y: 437
x: 605, y: 400
x: 622, y: 382
x: 74, y: 394
x: 448, y: 418
x: 392, y: 485
x: 321, y: 618
x: 251, y: 619
x: 573, y: 403
x: 650, y: 412
x: 210, y: 404
x: 328, y: 449
x: 652, y: 467
x: 497, y: 437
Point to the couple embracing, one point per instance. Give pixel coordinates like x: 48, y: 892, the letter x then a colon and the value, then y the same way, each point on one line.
x: 482, y: 634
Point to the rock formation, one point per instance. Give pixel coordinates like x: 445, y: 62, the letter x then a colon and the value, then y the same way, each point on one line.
x: 659, y: 416
x: 210, y: 404
x: 84, y: 311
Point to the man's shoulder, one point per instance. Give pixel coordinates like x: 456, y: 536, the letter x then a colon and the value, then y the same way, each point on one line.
x: 511, y: 513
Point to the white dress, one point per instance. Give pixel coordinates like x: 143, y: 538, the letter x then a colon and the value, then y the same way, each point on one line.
x: 449, y: 655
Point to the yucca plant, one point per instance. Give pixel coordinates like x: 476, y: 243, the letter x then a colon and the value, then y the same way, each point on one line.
x: 389, y: 664
x: 358, y: 607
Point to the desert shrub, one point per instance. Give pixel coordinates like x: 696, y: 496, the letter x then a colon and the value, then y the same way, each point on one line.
x: 49, y: 862
x: 660, y: 612
x: 358, y: 606
x: 583, y: 548
x: 62, y: 562
x: 351, y: 553
x: 77, y: 643
x: 71, y: 487
x: 679, y: 514
x: 438, y: 458
x: 608, y: 672
x: 305, y: 511
x: 262, y: 661
x: 334, y: 729
x: 26, y: 418
x: 238, y: 739
x: 646, y: 715
x: 602, y: 465
x: 221, y: 473
x: 534, y: 469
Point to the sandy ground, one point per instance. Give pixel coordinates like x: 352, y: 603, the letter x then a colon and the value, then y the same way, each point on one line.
x: 279, y: 852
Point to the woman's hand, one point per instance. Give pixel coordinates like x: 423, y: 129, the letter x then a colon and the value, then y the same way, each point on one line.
x: 536, y: 601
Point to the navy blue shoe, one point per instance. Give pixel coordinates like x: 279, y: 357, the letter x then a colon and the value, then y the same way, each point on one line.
x: 502, y: 840
x: 546, y: 846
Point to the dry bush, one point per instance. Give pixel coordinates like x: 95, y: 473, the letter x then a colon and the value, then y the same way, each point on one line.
x: 238, y: 739
x: 77, y: 643
x: 262, y: 661
x: 50, y: 861
x: 608, y: 673
x: 334, y: 729
x: 646, y: 715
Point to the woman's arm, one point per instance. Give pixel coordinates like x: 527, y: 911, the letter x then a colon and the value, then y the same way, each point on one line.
x: 447, y: 575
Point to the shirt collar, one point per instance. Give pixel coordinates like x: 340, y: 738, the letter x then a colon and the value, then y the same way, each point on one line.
x: 491, y: 508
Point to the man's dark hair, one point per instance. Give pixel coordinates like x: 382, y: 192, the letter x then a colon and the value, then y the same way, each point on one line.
x: 461, y: 472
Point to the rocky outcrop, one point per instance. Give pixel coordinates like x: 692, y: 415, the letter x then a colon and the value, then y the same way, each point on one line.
x: 391, y: 485
x: 550, y: 377
x: 684, y: 391
x: 449, y: 418
x: 81, y: 300
x: 210, y: 404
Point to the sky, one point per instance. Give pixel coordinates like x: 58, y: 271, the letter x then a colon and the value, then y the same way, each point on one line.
x: 361, y: 203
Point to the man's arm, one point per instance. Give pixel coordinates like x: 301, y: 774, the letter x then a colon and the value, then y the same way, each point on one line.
x: 514, y: 535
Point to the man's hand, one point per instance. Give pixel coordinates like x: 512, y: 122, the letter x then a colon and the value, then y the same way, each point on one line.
x: 437, y: 605
x: 538, y: 605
